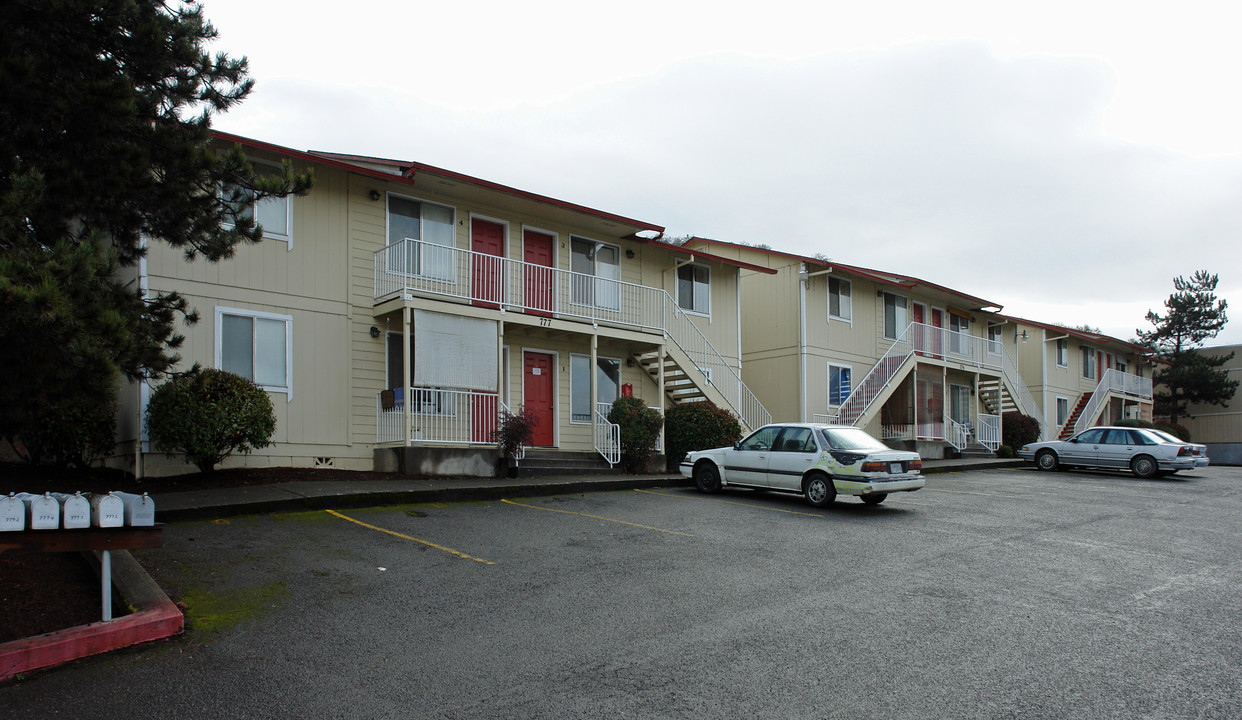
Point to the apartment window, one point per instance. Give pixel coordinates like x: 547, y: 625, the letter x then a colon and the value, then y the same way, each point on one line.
x: 420, y: 238
x: 608, y: 370
x: 1088, y: 363
x: 597, y: 268
x: 1062, y: 411
x: 839, y: 299
x: 895, y: 316
x: 840, y: 379
x: 1063, y: 352
x: 274, y: 214
x: 255, y: 345
x: 694, y: 288
x: 994, y: 339
x: 1120, y: 366
x: 959, y: 334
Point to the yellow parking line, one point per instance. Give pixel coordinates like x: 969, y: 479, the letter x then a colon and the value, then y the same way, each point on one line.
x: 412, y: 539
x: 597, y: 517
x: 730, y: 502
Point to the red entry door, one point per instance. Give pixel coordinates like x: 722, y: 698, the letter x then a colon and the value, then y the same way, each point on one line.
x: 538, y: 392
x: 538, y: 253
x: 487, y: 240
x: 937, y: 334
x: 919, y: 333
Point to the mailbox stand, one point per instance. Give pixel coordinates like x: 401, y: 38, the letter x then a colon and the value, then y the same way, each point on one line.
x: 94, y: 538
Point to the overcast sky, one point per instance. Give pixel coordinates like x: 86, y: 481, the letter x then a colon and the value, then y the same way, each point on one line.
x: 1064, y: 159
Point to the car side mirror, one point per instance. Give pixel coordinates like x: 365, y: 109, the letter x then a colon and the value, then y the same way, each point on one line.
x: 737, y: 445
x: 1073, y: 439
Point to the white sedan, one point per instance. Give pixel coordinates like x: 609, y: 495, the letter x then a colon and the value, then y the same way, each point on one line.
x: 1138, y: 450
x: 818, y: 461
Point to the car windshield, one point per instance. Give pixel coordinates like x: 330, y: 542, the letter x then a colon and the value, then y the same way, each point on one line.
x: 850, y: 439
x: 1163, y: 436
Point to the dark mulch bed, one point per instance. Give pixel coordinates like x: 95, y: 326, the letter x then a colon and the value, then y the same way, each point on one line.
x: 43, y: 592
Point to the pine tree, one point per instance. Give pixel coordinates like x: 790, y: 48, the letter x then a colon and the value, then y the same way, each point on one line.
x: 105, y: 141
x: 1194, y: 315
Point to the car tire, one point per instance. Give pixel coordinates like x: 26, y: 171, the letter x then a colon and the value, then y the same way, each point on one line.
x: 707, y: 477
x: 874, y: 498
x: 819, y: 490
x: 1144, y: 466
x: 1046, y: 460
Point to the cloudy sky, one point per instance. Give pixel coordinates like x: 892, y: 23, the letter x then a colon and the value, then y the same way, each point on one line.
x: 1063, y: 159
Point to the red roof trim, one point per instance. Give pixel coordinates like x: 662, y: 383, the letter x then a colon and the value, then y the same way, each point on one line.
x: 888, y: 278
x: 700, y: 254
x: 308, y: 157
x: 1080, y: 334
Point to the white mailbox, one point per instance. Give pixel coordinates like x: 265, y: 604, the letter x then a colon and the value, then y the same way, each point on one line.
x: 42, y: 510
x: 107, y: 511
x: 75, y: 510
x: 139, y: 509
x: 12, y: 513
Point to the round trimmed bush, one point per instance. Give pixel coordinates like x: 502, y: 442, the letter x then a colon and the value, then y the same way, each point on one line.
x: 1018, y: 429
x: 698, y: 426
x: 207, y: 415
x: 640, y: 428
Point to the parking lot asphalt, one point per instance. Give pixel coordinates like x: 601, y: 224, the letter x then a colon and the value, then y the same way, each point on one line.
x: 991, y: 593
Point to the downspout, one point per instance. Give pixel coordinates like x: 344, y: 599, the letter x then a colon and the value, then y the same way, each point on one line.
x: 1043, y: 380
x: 803, y: 279
x: 144, y: 390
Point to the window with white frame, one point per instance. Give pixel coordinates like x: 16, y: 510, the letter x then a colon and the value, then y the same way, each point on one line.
x: 1063, y: 352
x: 1088, y: 363
x: 608, y: 370
x: 426, y: 400
x: 274, y: 214
x: 1120, y: 366
x: 694, y: 288
x: 994, y: 339
x: 959, y: 403
x: 959, y: 334
x: 255, y: 345
x: 420, y: 238
x: 597, y: 268
x: 896, y: 314
x: 1062, y: 411
x: 840, y: 384
x: 839, y: 305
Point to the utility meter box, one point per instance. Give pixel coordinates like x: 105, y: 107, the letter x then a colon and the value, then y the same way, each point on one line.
x: 107, y: 511
x: 12, y: 514
x: 139, y: 509
x: 75, y: 510
x: 43, y: 510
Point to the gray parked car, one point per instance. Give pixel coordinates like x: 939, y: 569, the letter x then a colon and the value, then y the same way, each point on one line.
x: 1141, y: 451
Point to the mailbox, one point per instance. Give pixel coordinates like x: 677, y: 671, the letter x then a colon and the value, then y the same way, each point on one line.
x: 12, y: 513
x: 107, y: 511
x: 139, y: 509
x: 42, y: 510
x: 75, y: 510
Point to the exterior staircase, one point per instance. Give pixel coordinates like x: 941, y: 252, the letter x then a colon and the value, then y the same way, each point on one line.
x: 685, y: 381
x: 876, y: 385
x: 1068, y: 430
x: 542, y: 462
x: 995, y: 396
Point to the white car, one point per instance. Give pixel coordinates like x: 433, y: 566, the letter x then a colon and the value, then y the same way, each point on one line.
x: 1139, y: 450
x: 818, y: 461
x: 1197, y: 451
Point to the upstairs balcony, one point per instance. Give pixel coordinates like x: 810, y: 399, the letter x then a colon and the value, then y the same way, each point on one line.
x: 415, y: 267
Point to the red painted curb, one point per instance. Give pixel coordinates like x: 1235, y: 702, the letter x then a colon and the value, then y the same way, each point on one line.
x: 158, y: 620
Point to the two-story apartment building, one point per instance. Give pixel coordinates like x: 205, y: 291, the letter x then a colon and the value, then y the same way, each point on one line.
x: 1078, y: 378
x: 908, y: 360
x: 397, y: 309
x: 1219, y: 426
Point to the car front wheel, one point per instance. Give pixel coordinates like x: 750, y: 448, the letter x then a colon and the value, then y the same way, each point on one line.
x: 1046, y: 460
x: 819, y: 490
x: 1144, y: 466
x: 707, y: 477
x: 874, y: 498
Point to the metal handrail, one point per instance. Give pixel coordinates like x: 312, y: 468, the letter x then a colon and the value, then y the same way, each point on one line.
x: 513, y: 284
x: 955, y: 433
x: 1112, y: 381
x: 607, y: 435
x: 989, y: 435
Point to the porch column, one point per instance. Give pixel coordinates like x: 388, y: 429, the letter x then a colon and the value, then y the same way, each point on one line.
x: 594, y: 379
x: 660, y: 382
x: 500, y: 364
x: 406, y: 363
x: 944, y: 395
x: 974, y: 392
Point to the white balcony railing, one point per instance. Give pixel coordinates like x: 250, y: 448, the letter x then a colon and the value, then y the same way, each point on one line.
x: 1112, y: 382
x: 955, y: 433
x: 438, y: 415
x: 413, y: 266
x: 989, y: 435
